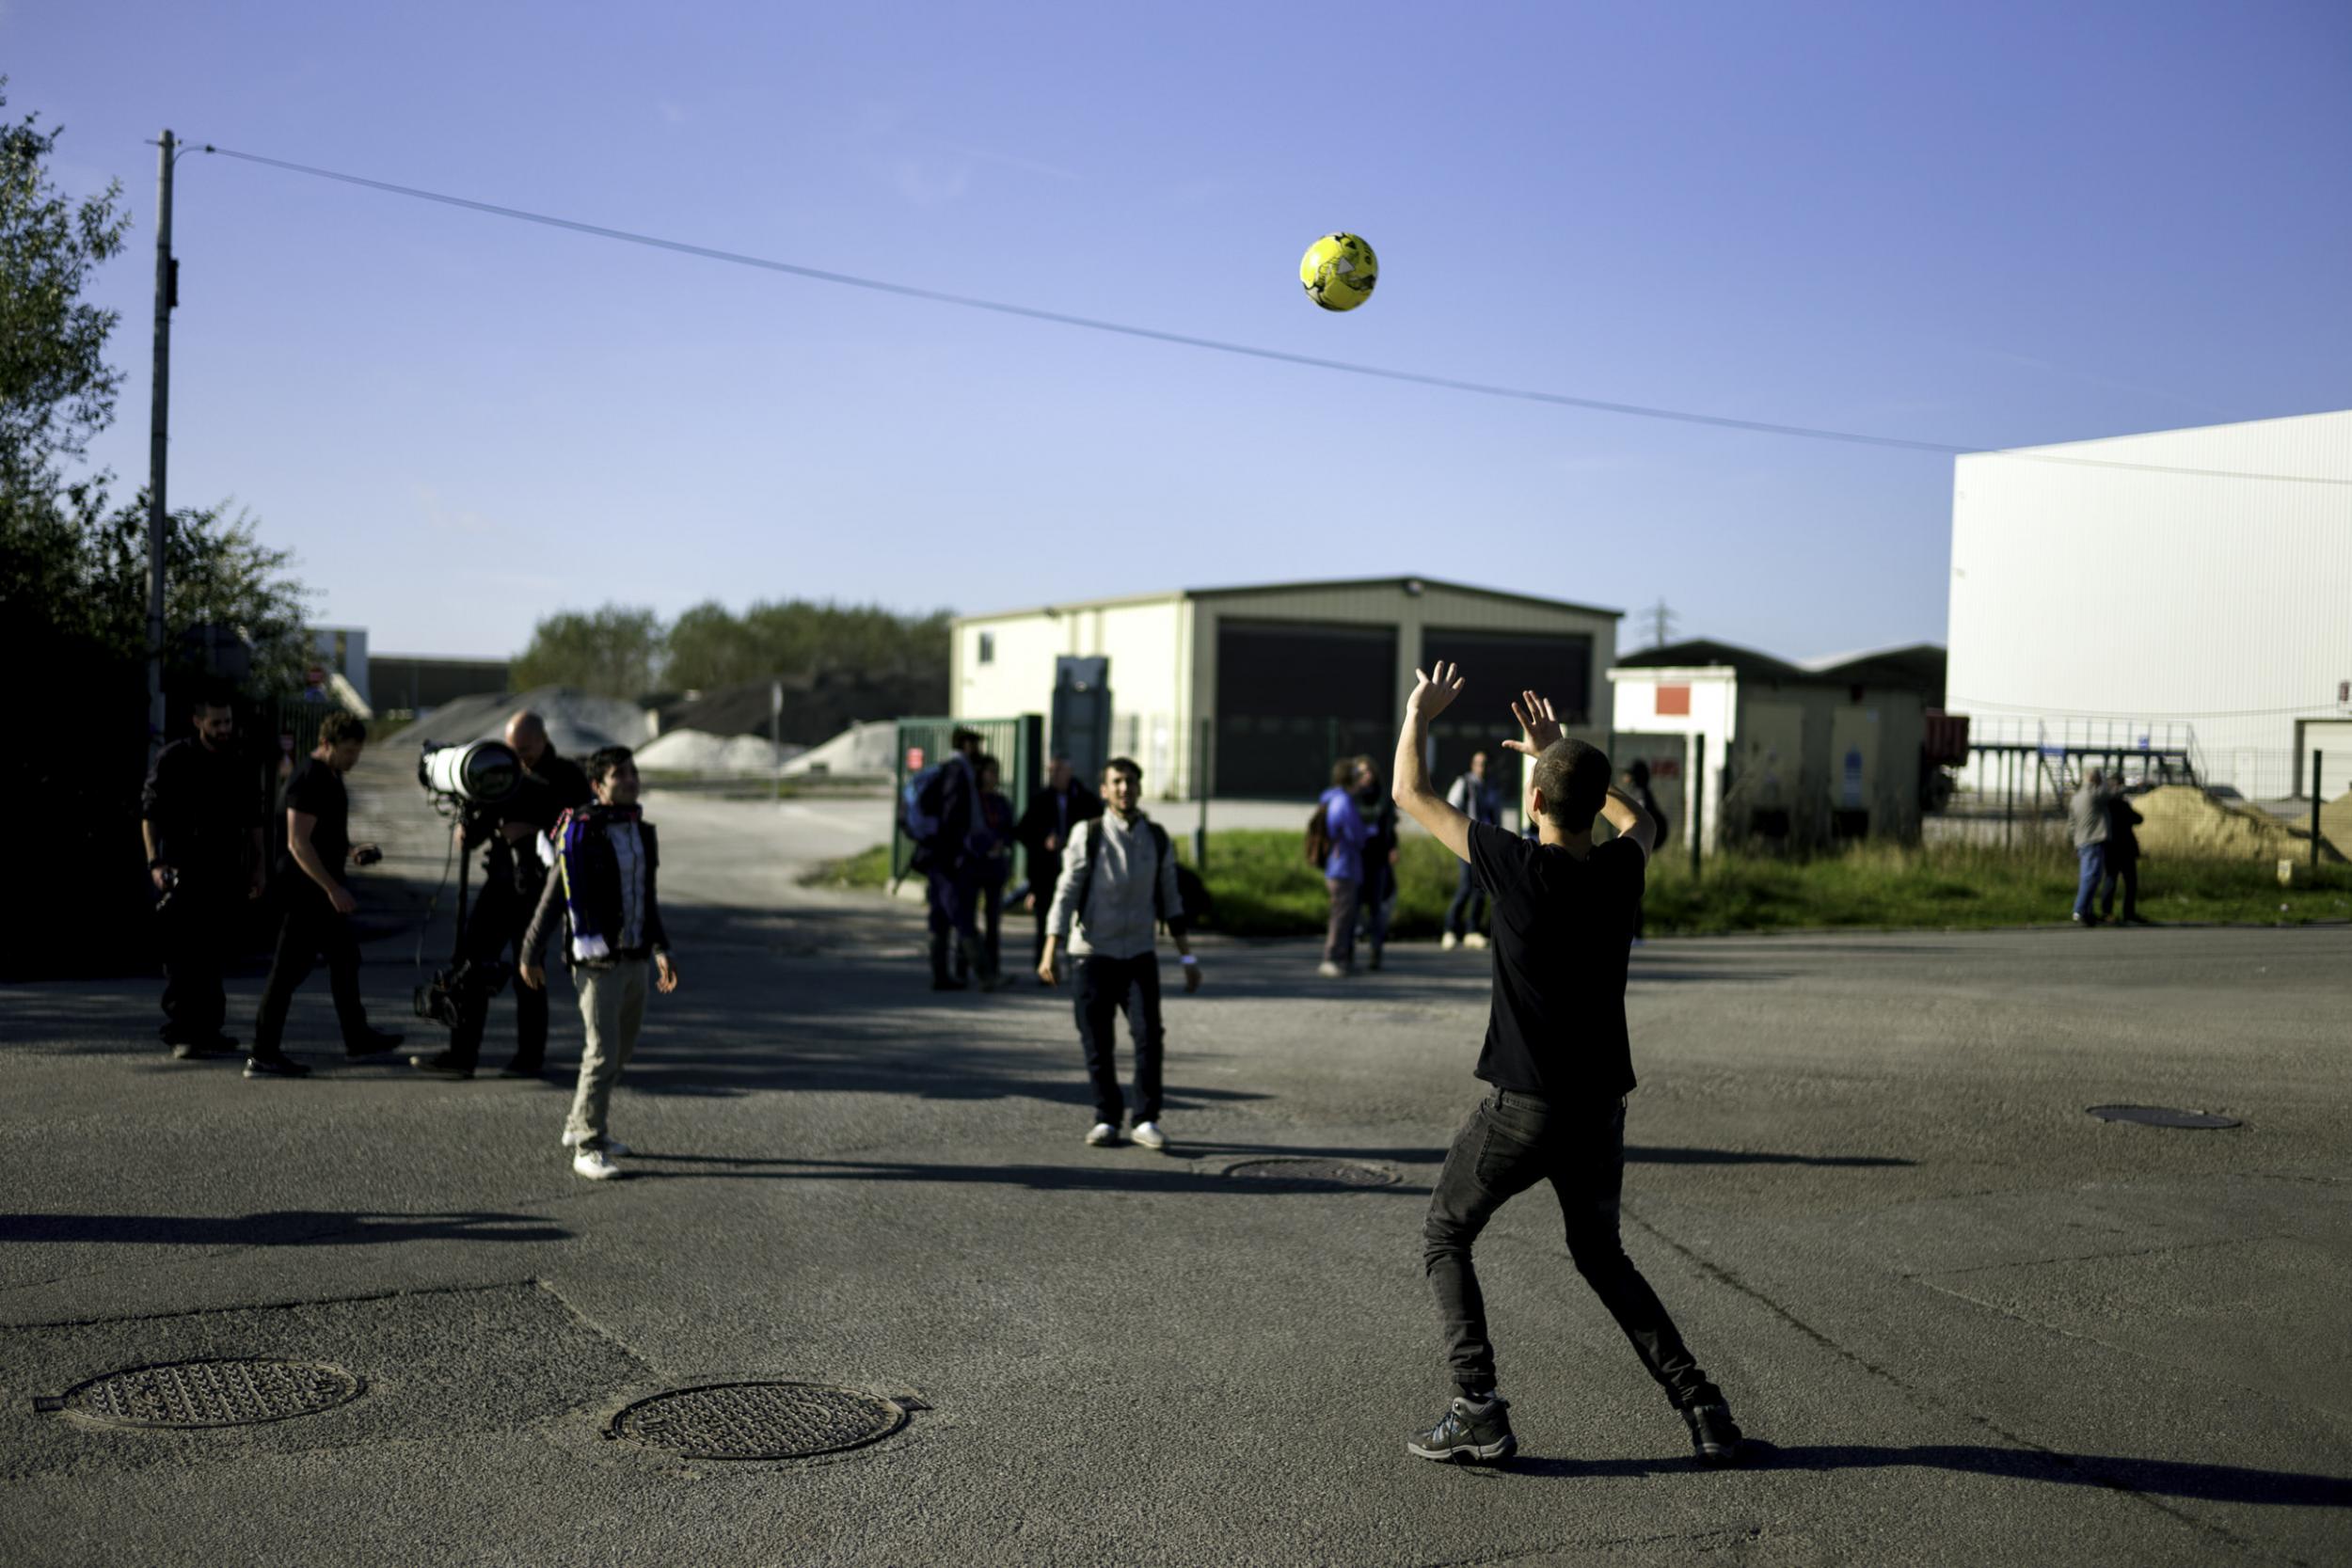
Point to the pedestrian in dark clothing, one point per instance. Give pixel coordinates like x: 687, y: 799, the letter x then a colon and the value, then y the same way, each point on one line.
x: 1380, y: 857
x: 1559, y: 1058
x: 993, y: 842
x: 1055, y: 811
x: 200, y: 815
x: 1634, y: 780
x: 947, y: 807
x: 2119, y: 862
x: 318, y: 906
x: 1476, y: 798
x: 514, y: 874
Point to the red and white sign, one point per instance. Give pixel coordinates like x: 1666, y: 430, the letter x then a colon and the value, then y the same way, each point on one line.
x: 1673, y: 701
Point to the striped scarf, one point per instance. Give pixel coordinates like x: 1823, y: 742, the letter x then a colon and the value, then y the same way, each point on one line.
x: 592, y: 876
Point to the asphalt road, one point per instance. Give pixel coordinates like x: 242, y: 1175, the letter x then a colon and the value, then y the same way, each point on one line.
x: 1974, y: 1325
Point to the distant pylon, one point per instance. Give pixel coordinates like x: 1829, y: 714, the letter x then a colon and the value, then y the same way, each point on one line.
x: 1661, y: 623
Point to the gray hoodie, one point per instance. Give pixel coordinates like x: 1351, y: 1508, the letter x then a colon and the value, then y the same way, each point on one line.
x: 2087, y: 813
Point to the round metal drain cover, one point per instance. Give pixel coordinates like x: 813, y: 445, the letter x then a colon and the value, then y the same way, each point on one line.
x: 759, y: 1420
x: 231, y: 1392
x: 2161, y: 1115
x: 1320, y: 1173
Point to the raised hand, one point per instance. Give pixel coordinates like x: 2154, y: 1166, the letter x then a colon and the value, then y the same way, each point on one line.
x: 1536, y: 717
x: 1432, y: 693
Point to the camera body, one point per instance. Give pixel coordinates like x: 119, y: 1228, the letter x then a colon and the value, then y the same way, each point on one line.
x: 444, y: 998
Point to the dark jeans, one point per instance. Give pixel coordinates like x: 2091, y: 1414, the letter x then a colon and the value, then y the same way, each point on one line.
x: 497, y: 922
x: 1339, y: 938
x: 1510, y: 1143
x: 2120, y: 868
x: 2094, y: 862
x: 1468, y: 911
x: 1104, y: 987
x: 992, y: 921
x: 194, y: 930
x: 311, y: 928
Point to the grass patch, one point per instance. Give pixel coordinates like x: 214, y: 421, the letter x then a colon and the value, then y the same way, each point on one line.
x: 1263, y: 887
x: 868, y: 868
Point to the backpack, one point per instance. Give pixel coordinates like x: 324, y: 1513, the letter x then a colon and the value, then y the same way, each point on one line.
x: 1319, y: 837
x: 918, y: 812
x: 1094, y: 854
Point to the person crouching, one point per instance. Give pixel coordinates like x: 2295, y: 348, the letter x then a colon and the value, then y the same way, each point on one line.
x: 604, y: 858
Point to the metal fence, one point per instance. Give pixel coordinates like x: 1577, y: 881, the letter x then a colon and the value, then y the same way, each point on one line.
x: 1018, y: 745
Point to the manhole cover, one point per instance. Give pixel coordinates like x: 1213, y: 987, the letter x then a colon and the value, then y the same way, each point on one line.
x: 1321, y: 1173
x: 230, y: 1392
x: 2161, y: 1115
x: 759, y: 1420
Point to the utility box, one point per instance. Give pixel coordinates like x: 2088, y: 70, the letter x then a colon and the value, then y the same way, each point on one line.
x: 1082, y: 714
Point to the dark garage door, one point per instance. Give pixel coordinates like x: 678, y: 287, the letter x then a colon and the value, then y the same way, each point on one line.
x: 1500, y: 665
x: 1291, y: 699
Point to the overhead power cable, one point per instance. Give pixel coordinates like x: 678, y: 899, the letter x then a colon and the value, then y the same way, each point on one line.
x: 908, y: 291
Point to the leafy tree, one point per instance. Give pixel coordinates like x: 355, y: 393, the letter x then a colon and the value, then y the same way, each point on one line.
x: 57, y: 390
x: 613, y: 652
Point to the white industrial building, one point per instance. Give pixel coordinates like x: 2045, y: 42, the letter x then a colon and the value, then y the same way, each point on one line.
x: 1254, y: 691
x: 1797, y: 755
x: 2187, y: 586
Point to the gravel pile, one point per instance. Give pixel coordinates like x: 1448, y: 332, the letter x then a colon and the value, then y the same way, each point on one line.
x: 860, y: 751
x: 699, y: 751
x: 578, y: 723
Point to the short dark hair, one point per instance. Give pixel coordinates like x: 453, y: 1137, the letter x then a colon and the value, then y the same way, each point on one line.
x: 341, y: 726
x: 1343, y: 772
x: 1124, y: 764
x: 986, y: 761
x: 1573, y: 777
x: 963, y: 738
x: 604, y: 759
x: 212, y: 693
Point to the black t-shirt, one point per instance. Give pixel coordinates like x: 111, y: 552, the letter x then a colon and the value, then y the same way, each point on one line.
x: 1561, y: 928
x: 203, y: 805
x: 318, y: 789
x: 548, y: 791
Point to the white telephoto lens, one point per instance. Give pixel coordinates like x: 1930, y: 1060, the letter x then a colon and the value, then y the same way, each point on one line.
x: 484, y: 773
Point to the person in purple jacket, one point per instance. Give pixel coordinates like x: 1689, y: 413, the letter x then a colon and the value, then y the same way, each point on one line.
x: 1344, y: 824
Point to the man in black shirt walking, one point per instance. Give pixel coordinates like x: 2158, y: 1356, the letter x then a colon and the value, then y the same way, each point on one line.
x: 513, y: 876
x: 200, y: 815
x: 1558, y: 1056
x: 318, y: 906
x: 1048, y: 828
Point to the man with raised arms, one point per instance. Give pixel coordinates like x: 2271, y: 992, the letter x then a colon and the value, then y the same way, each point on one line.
x: 1557, y: 1055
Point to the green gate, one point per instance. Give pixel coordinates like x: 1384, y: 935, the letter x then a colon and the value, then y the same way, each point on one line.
x: 1017, y: 744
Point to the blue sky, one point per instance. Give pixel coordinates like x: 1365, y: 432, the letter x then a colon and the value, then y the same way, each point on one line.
x: 1977, y: 224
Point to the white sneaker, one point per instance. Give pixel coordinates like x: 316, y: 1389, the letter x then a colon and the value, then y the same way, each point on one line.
x: 1330, y: 971
x: 1148, y: 1133
x: 1448, y: 942
x: 1476, y: 939
x: 595, y: 1164
x: 1101, y: 1132
x: 612, y: 1146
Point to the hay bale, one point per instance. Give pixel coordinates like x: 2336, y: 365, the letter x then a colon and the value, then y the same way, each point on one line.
x: 2182, y: 823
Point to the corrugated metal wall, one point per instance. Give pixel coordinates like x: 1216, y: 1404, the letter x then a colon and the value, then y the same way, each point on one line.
x: 2138, y: 593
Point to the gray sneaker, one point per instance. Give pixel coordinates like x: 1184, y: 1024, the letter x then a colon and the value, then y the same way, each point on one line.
x: 1473, y: 1433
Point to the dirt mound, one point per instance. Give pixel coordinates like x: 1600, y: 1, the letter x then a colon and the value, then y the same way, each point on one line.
x: 2185, y: 822
x: 816, y: 707
x: 578, y: 722
x: 696, y: 751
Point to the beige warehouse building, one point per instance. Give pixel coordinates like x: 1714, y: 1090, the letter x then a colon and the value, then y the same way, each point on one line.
x: 1253, y: 691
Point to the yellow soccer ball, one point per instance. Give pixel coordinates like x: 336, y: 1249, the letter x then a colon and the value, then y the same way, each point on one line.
x: 1339, y: 271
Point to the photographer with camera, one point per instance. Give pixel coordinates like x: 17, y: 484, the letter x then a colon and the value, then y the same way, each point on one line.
x: 513, y: 877
x: 318, y: 907
x: 200, y: 815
